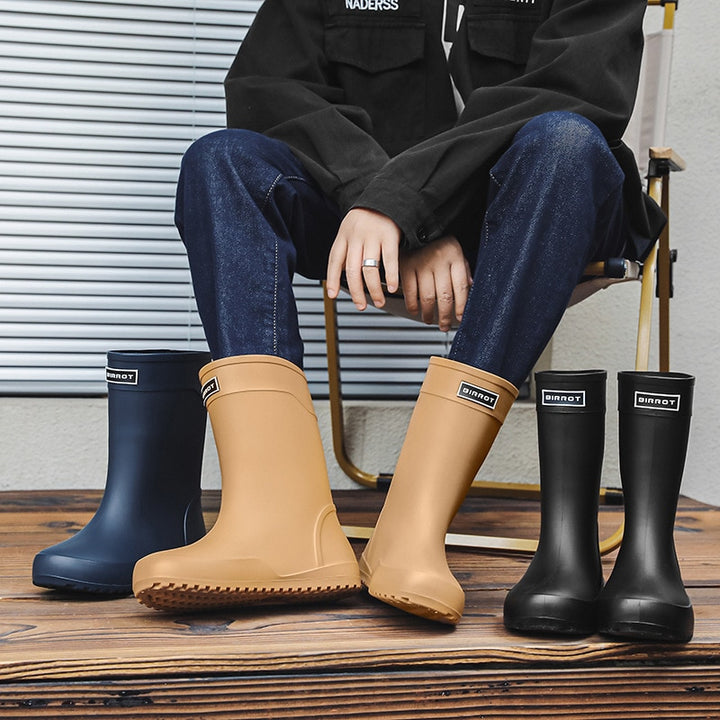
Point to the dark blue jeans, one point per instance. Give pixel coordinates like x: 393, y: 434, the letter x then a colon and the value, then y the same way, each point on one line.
x: 250, y: 217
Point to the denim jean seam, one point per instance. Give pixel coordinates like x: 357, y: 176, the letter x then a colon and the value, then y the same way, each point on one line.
x: 270, y: 191
x: 268, y: 194
x: 275, y: 299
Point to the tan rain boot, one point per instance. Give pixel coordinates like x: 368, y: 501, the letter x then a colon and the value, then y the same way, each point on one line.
x: 457, y: 416
x: 277, y: 537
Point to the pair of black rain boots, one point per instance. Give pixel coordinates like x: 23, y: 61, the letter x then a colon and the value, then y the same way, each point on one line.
x: 562, y: 591
x: 156, y: 436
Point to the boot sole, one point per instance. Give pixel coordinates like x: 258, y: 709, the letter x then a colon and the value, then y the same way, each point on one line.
x: 549, y: 626
x: 647, y: 631
x: 424, y: 607
x: 174, y: 596
x: 410, y: 602
x: 79, y: 586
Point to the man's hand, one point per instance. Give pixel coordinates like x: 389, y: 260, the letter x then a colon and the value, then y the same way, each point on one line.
x: 364, y: 235
x: 436, y: 275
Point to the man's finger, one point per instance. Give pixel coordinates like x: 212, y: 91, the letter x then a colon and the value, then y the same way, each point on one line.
x: 461, y: 284
x: 336, y: 261
x: 444, y: 299
x: 390, y: 252
x: 410, y: 291
x: 353, y: 274
x: 371, y: 275
x: 426, y: 292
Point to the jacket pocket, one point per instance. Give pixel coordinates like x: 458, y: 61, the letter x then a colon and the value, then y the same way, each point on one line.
x: 375, y: 48
x: 501, y: 37
x: 381, y: 68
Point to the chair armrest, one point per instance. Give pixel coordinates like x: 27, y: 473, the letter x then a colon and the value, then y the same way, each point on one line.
x: 664, y: 159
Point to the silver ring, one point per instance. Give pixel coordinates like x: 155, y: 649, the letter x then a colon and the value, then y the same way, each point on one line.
x: 370, y: 262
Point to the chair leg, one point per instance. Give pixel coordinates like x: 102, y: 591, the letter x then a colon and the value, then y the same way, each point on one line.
x: 664, y: 281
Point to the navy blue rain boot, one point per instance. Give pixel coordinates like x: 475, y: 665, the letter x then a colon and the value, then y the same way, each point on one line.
x: 156, y: 435
x: 644, y: 598
x: 558, y: 593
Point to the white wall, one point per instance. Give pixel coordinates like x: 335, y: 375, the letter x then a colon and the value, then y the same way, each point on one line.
x: 54, y: 443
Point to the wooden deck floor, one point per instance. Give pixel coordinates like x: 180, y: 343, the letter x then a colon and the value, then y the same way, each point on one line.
x: 64, y: 656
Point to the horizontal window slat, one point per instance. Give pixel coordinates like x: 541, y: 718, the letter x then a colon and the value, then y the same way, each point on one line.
x: 106, y: 144
x: 219, y: 26
x: 48, y: 272
x: 99, y: 345
x: 136, y: 162
x: 65, y: 173
x: 83, y: 301
x: 18, y: 360
x: 49, y: 69
x: 387, y: 347
x: 107, y: 230
x: 58, y: 303
x: 48, y: 39
x: 95, y: 360
x: 70, y: 201
x: 187, y: 12
x: 150, y: 86
x: 169, y: 246
x: 114, y: 332
x: 18, y: 386
x: 57, y: 99
x: 129, y: 120
x: 50, y: 318
x: 131, y: 190
x: 211, y: 58
x: 43, y: 285
x: 104, y: 216
x: 81, y: 6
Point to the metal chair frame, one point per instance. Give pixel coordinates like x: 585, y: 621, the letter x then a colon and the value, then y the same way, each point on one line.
x: 655, y: 274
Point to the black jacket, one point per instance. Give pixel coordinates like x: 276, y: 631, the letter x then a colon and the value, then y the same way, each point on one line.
x: 360, y: 91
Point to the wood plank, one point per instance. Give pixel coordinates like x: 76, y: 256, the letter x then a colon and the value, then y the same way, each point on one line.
x: 64, y: 655
x: 466, y: 693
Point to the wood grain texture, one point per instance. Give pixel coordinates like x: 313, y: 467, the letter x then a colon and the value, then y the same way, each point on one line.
x: 63, y: 655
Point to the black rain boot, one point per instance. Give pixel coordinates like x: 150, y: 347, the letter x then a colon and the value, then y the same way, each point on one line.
x: 644, y: 597
x: 558, y: 593
x: 156, y: 435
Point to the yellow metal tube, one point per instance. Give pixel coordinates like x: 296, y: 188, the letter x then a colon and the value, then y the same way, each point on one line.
x: 335, y: 393
x: 642, y: 357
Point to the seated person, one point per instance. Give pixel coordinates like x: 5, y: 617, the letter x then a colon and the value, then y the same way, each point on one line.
x: 473, y: 158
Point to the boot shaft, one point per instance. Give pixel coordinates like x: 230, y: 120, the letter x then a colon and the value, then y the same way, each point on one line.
x: 269, y: 448
x: 156, y: 423
x: 571, y: 439
x: 654, y: 426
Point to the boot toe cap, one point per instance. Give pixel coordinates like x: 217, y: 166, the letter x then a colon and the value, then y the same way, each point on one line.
x: 82, y: 574
x: 418, y: 592
x: 543, y: 612
x: 646, y: 619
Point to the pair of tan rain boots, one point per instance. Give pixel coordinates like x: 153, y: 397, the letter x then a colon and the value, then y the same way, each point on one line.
x: 277, y: 537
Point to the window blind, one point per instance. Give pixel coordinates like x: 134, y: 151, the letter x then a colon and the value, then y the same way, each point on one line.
x: 98, y: 102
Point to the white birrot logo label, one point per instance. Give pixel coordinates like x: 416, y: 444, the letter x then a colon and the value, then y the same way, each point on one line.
x: 377, y: 5
x: 121, y: 377
x: 210, y: 387
x: 481, y: 396
x: 657, y: 401
x: 563, y: 398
